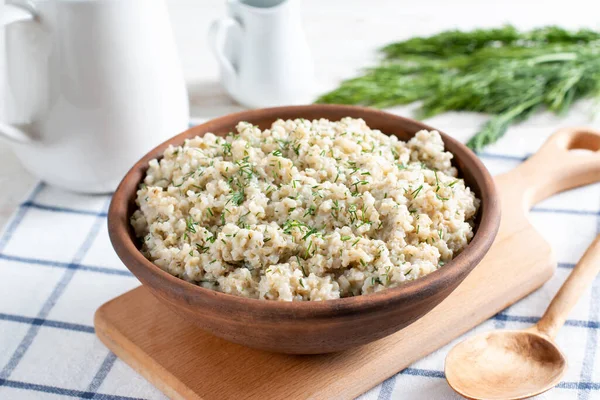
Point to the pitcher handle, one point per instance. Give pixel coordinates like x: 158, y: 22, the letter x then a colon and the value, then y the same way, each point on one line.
x: 217, y: 35
x: 12, y: 13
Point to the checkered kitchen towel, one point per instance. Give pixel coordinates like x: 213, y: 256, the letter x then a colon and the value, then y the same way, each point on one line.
x: 57, y: 267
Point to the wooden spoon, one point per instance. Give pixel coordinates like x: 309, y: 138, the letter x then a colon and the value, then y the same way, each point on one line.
x: 512, y: 365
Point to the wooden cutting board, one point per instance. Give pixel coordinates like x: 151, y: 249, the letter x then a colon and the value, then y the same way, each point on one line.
x: 187, y: 363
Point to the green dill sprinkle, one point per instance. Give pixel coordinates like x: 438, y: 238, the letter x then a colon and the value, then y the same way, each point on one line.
x: 311, y: 231
x: 226, y: 149
x: 418, y: 226
x: 440, y: 233
x: 189, y: 225
x: 301, y: 283
x: 408, y: 272
x: 441, y: 198
x: 297, y: 149
x: 311, y: 211
x: 336, y: 205
x: 416, y: 192
x: 345, y: 238
x: 357, y: 240
x: 277, y: 153
x: 303, y: 270
x: 202, y: 249
x: 210, y: 212
x: 453, y: 183
x: 237, y: 197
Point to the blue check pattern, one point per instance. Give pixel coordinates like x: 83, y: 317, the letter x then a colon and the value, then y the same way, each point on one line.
x: 57, y: 267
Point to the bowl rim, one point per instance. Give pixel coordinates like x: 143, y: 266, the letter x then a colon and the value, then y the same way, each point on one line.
x: 417, y: 290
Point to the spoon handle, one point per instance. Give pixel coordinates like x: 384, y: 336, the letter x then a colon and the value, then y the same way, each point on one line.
x: 580, y: 279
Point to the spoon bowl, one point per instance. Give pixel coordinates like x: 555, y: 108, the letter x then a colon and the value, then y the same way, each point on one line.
x: 505, y: 365
x: 514, y: 365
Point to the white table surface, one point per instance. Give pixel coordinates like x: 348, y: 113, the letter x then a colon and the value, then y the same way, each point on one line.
x: 343, y: 35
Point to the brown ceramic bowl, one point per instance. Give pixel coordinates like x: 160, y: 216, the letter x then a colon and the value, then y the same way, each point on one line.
x: 306, y: 327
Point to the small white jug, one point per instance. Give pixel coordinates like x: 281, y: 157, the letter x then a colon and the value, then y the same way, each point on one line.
x: 92, y: 86
x: 262, y: 52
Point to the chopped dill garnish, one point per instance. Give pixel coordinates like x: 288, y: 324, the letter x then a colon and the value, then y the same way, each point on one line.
x: 237, y: 197
x: 226, y: 148
x: 303, y: 270
x: 311, y: 231
x: 310, y: 211
x: 345, y: 238
x: 416, y: 192
x: 441, y: 198
x: 189, y: 224
x: 297, y: 149
x: 202, y: 249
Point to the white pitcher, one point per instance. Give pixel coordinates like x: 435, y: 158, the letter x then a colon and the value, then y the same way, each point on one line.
x: 92, y: 86
x: 262, y: 52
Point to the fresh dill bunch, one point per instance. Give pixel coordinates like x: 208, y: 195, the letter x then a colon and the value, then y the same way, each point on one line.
x: 503, y: 72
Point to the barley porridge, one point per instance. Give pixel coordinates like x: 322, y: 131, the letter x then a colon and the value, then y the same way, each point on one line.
x: 306, y: 210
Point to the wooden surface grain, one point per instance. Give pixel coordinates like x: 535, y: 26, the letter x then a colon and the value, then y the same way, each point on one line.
x: 171, y: 353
